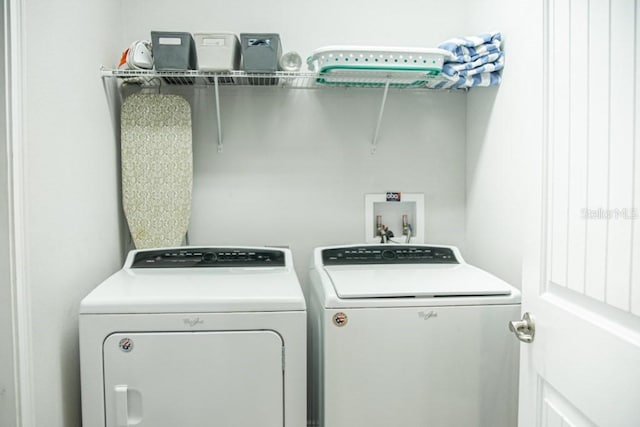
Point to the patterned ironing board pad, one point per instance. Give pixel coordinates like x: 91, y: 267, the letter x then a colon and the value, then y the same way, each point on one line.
x: 157, y: 168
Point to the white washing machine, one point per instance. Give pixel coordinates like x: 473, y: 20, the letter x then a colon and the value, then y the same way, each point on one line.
x: 411, y: 336
x: 195, y: 337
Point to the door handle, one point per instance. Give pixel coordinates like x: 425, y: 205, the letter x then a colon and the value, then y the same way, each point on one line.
x: 122, y: 407
x: 524, y: 329
x: 128, y: 406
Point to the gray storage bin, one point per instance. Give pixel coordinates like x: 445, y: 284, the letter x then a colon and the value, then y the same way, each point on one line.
x: 173, y: 51
x: 260, y: 52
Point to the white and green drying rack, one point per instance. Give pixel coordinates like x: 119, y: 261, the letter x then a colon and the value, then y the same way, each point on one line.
x: 375, y: 66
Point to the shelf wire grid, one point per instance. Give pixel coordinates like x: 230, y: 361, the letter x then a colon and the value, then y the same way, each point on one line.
x: 284, y: 79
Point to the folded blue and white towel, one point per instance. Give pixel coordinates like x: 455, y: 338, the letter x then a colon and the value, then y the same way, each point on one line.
x: 466, y: 82
x: 469, y: 49
x: 493, y: 62
x: 474, y: 61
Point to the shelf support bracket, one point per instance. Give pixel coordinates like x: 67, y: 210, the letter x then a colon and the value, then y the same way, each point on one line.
x: 215, y: 85
x: 374, y: 142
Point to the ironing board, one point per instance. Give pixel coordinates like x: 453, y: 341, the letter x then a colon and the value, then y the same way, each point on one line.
x: 157, y: 168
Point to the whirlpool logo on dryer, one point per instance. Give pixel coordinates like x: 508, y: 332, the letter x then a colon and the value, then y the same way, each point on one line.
x: 426, y: 315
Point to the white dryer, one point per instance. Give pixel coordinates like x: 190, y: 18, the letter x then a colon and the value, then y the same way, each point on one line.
x: 193, y: 337
x: 411, y: 336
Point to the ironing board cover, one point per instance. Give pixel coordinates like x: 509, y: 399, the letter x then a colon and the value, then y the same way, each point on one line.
x: 157, y: 168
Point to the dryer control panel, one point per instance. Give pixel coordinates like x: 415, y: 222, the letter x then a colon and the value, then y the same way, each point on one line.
x: 208, y: 257
x: 388, y: 254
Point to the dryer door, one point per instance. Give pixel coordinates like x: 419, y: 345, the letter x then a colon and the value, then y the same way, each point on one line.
x: 193, y: 379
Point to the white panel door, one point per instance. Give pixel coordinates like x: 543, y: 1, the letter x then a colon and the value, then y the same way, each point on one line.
x: 194, y: 379
x: 582, y: 257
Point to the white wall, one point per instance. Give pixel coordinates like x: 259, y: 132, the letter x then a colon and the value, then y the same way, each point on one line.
x: 71, y: 179
x: 296, y: 164
x: 496, y: 128
x: 298, y: 180
x: 7, y: 385
x: 303, y: 26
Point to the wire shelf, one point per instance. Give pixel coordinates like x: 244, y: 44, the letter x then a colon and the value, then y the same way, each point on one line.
x: 283, y: 79
x: 385, y: 79
x: 201, y: 78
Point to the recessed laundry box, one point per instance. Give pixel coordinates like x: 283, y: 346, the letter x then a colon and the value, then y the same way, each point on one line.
x: 192, y: 337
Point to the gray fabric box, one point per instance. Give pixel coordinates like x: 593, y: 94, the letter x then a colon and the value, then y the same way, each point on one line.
x: 173, y: 51
x: 260, y: 52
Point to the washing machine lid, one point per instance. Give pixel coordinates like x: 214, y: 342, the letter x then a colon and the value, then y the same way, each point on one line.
x: 200, y: 280
x: 408, y: 281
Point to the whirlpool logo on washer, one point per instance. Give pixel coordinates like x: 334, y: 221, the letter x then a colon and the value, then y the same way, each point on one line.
x: 192, y: 321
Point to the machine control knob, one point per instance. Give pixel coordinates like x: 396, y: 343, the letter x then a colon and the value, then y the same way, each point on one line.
x: 209, y: 257
x: 388, y: 254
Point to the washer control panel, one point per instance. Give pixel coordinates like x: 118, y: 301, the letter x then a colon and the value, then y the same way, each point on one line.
x: 208, y: 257
x: 388, y: 254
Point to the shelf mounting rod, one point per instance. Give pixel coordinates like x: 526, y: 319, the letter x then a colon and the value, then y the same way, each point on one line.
x: 374, y: 142
x: 215, y: 84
